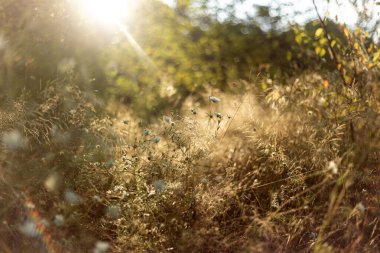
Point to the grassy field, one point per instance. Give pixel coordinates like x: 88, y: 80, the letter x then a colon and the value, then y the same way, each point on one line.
x: 289, y: 168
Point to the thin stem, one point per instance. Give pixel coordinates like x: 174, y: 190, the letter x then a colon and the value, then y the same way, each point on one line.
x: 335, y: 57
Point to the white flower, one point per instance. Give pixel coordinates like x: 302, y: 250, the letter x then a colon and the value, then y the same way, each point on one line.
x: 59, y: 220
x: 159, y: 186
x: 360, y: 207
x: 97, y: 199
x: 118, y: 188
x: 168, y: 120
x: 72, y: 198
x: 333, y: 167
x: 45, y: 223
x: 28, y: 228
x: 52, y: 182
x: 109, y: 164
x: 114, y: 212
x: 215, y: 100
x: 14, y: 140
x: 101, y: 247
x: 59, y: 136
x: 156, y: 139
x: 322, y: 101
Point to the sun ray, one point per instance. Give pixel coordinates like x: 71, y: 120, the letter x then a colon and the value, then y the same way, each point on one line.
x: 141, y: 53
x: 113, y: 12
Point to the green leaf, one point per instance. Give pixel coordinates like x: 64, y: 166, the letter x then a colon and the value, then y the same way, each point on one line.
x: 322, y: 52
x: 322, y: 41
x: 318, y: 32
x: 299, y: 39
x: 376, y: 56
x: 289, y: 55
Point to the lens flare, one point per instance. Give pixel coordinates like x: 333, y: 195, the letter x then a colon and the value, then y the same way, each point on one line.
x: 140, y: 52
x: 113, y: 12
x: 106, y: 10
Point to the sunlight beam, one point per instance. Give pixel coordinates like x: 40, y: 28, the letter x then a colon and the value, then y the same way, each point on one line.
x: 112, y: 12
x: 136, y: 45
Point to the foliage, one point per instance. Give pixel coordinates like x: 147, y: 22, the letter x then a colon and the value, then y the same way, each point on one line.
x: 199, y: 134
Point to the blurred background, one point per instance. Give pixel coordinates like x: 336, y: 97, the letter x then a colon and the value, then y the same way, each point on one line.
x: 157, y: 53
x: 189, y: 126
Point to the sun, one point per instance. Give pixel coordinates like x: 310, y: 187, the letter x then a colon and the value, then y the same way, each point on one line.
x: 113, y: 13
x: 106, y: 10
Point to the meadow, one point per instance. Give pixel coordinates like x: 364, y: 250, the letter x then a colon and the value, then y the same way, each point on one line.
x: 278, y: 159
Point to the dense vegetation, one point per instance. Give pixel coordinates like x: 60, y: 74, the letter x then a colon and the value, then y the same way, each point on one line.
x: 191, y: 130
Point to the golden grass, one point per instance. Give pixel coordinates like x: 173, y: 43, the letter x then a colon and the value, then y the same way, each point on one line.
x: 289, y: 169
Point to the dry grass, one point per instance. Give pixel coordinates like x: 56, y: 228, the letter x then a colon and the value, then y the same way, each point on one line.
x: 290, y: 169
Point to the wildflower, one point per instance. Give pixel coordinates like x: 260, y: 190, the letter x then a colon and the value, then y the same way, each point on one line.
x: 28, y: 228
x: 118, y: 188
x: 204, y: 181
x: 30, y: 205
x: 360, y: 207
x: 101, y: 247
x: 96, y: 198
x: 168, y: 120
x: 215, y: 100
x: 218, y: 115
x: 156, y: 139
x: 45, y: 222
x: 322, y: 101
x: 59, y: 220
x: 159, y: 186
x: 14, y: 140
x: 333, y: 167
x: 114, y: 212
x: 52, y: 182
x: 109, y: 164
x: 313, y: 235
x: 151, y: 193
x: 72, y: 198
